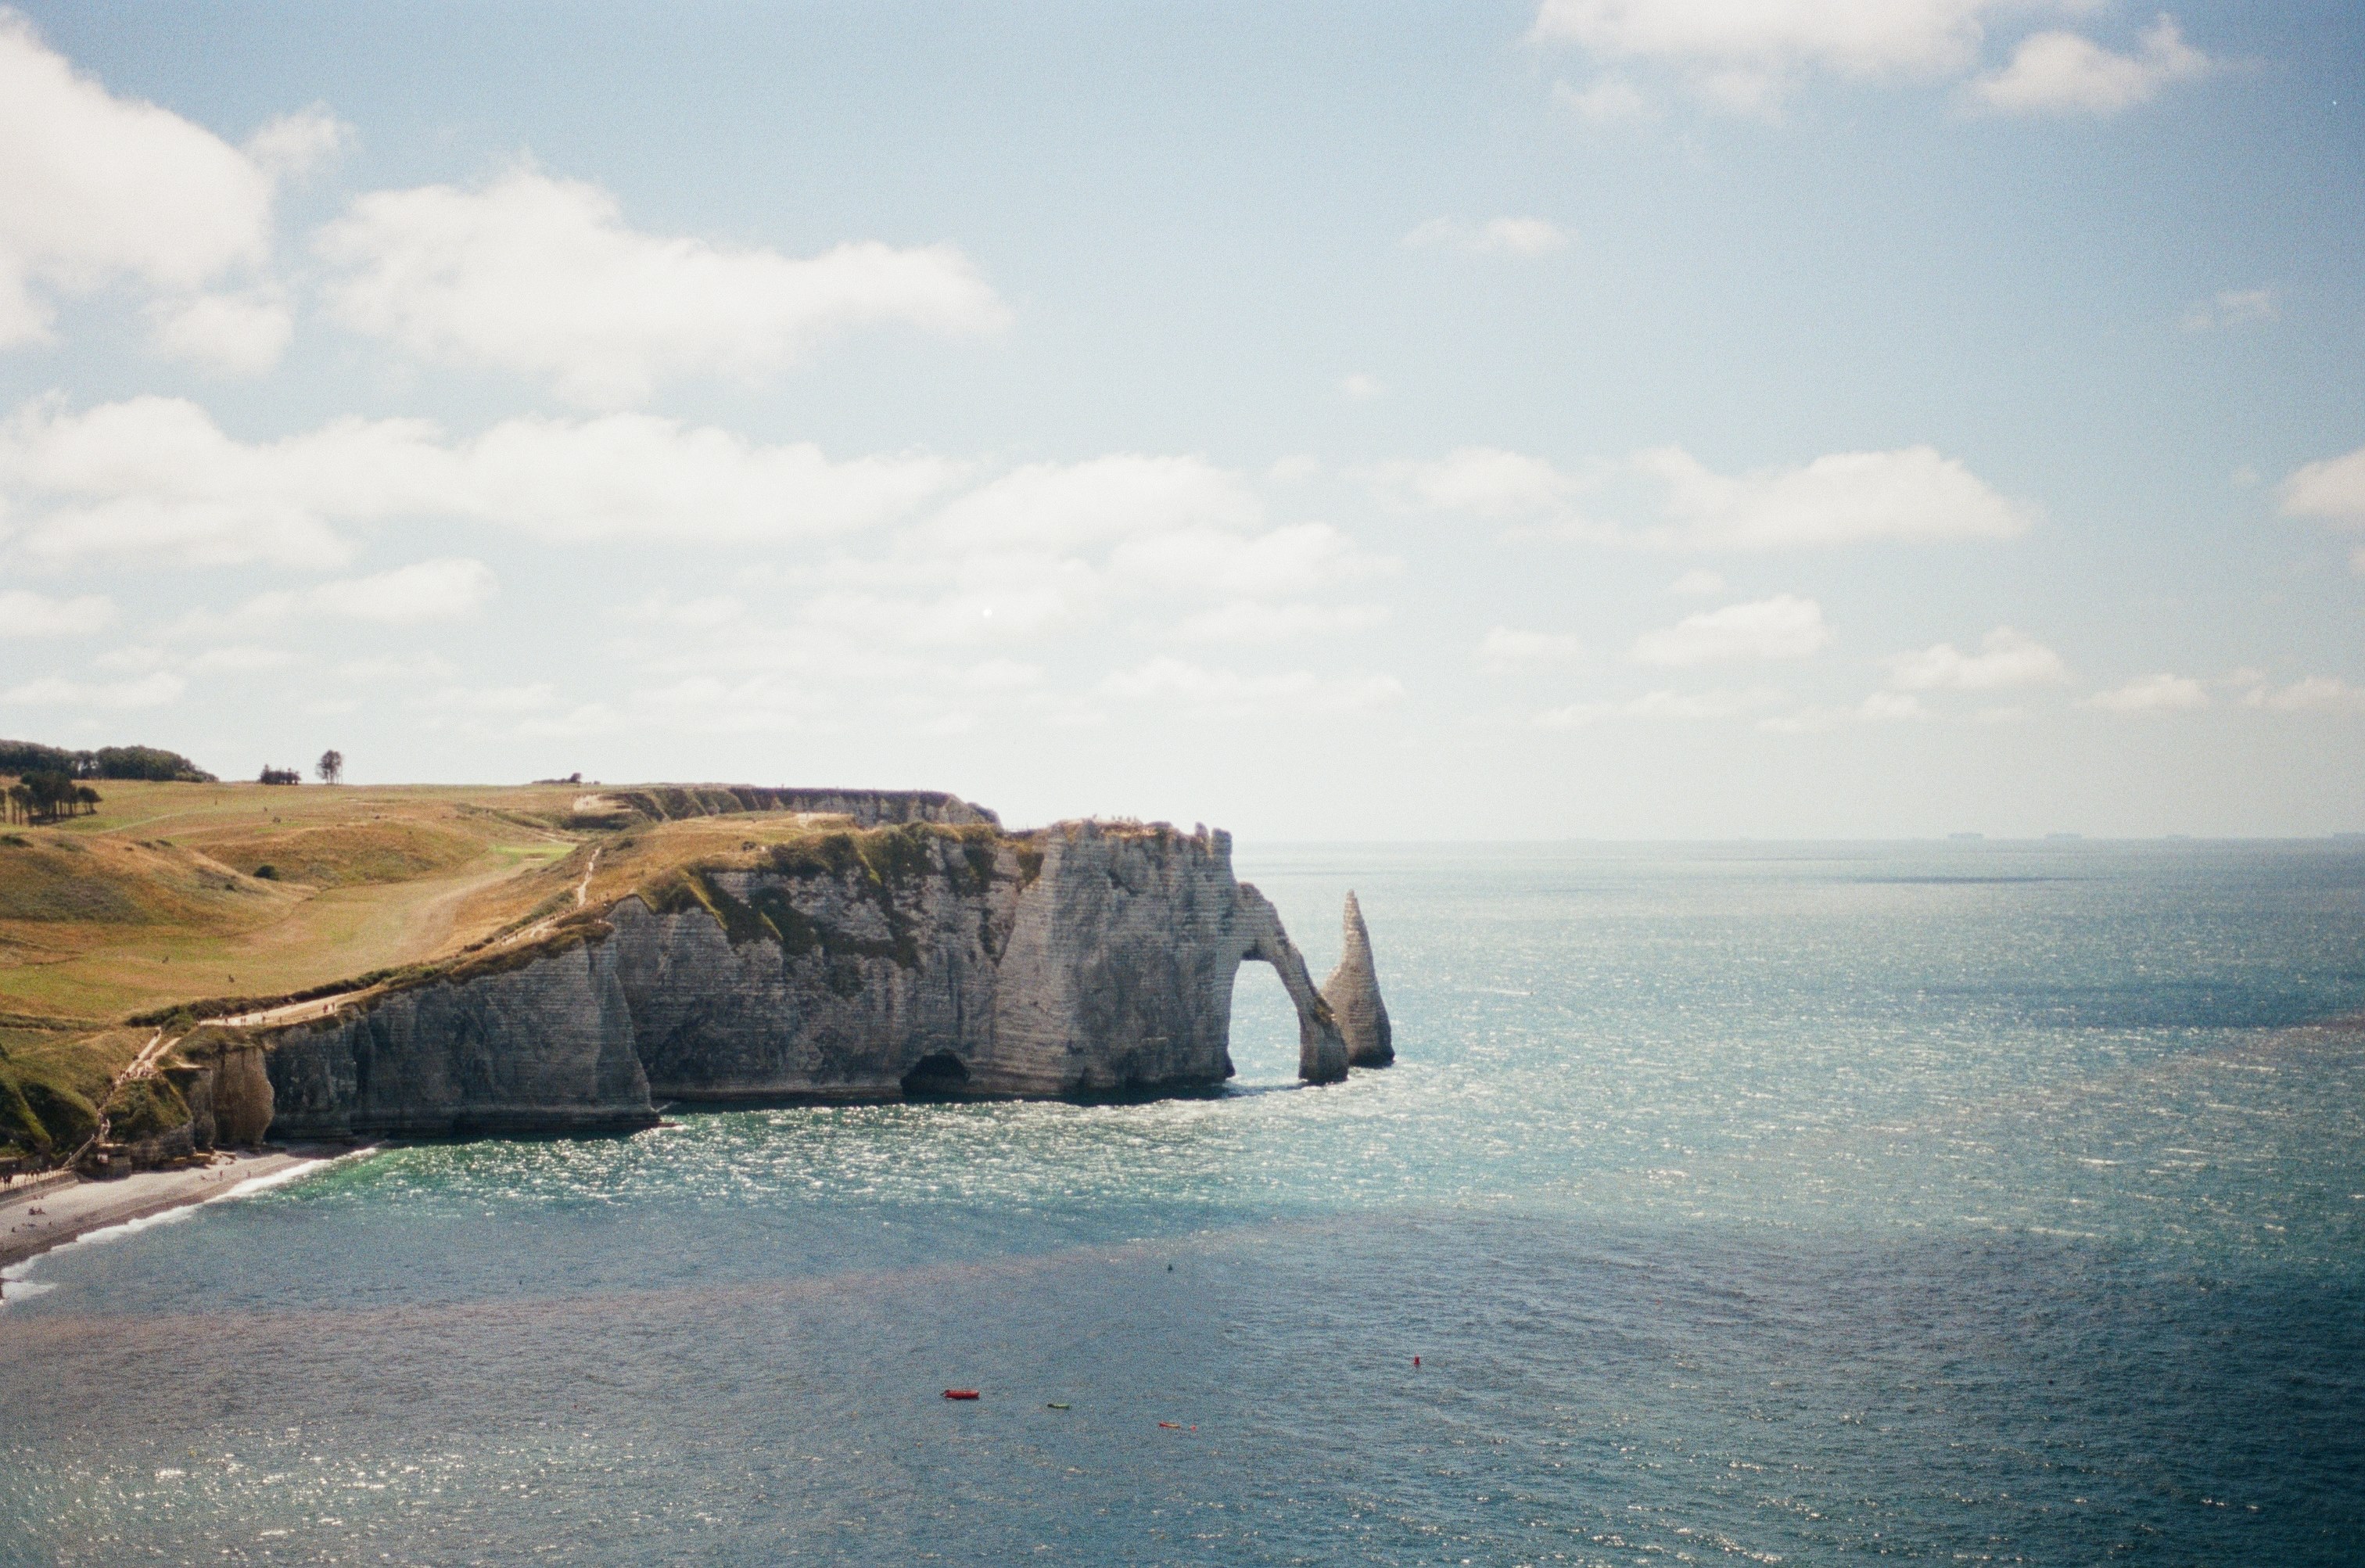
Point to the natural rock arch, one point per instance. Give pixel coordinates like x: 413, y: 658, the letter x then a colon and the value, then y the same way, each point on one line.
x: 1321, y: 1048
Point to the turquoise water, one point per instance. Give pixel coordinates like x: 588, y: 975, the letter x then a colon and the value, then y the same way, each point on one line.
x: 1978, y: 1203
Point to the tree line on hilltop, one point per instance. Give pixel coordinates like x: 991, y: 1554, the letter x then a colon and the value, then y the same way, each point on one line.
x: 26, y: 758
x: 49, y: 778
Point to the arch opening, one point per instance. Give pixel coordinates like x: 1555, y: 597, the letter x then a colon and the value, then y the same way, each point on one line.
x: 1261, y: 1042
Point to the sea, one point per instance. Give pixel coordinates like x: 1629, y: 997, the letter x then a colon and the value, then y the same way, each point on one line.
x: 1942, y: 1202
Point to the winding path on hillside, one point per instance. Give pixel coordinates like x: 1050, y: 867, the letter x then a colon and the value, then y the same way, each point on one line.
x: 322, y: 1006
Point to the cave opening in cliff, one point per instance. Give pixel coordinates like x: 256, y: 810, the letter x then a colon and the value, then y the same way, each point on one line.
x: 939, y: 1075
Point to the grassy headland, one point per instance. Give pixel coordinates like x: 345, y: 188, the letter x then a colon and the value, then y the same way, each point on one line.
x: 178, y: 901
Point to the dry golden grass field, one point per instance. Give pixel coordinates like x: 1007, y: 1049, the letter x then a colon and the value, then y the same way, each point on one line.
x: 174, y: 894
x: 174, y: 901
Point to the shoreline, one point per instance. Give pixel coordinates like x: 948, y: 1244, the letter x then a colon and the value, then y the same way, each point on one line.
x: 74, y: 1209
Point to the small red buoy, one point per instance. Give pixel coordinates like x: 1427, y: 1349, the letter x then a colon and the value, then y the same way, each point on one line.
x: 1416, y: 1361
x: 960, y: 1393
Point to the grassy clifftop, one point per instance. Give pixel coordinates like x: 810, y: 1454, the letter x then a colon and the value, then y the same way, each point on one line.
x: 222, y: 897
x: 172, y: 892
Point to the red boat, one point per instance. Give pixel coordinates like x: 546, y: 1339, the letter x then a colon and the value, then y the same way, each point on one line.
x: 960, y: 1393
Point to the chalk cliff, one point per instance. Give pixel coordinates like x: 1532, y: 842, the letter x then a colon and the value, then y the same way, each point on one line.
x: 1353, y: 993
x: 929, y: 958
x: 227, y: 1089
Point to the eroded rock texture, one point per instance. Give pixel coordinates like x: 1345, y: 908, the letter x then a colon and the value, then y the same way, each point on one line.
x: 546, y: 1047
x: 227, y: 1087
x: 1080, y: 960
x: 1353, y: 993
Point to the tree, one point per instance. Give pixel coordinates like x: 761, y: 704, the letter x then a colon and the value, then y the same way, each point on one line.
x: 331, y: 768
x: 48, y: 795
x: 22, y: 758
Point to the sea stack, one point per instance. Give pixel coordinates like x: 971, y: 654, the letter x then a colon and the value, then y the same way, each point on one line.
x: 1353, y: 993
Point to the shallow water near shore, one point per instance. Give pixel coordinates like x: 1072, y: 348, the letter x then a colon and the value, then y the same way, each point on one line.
x: 1779, y: 1203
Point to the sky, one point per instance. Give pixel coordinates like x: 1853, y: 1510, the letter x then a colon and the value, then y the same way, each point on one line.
x: 1619, y: 419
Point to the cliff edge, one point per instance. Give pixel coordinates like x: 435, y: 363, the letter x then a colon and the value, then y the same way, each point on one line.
x: 827, y: 960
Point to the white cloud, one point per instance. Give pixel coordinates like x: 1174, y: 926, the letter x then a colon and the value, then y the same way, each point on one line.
x: 1360, y: 389
x: 234, y: 334
x: 296, y: 144
x: 240, y: 659
x: 1127, y: 544
x: 2152, y: 694
x: 1611, y: 100
x: 1742, y: 55
x: 2233, y: 307
x: 1298, y: 557
x: 1880, y: 708
x: 541, y: 277
x: 998, y: 675
x: 26, y: 614
x: 530, y: 696
x: 1505, y: 650
x: 57, y: 692
x: 155, y: 479
x: 421, y: 667
x: 1687, y: 706
x: 97, y: 190
x: 584, y: 719
x: 1782, y: 627
x: 1845, y: 497
x: 1858, y: 37
x: 704, y: 613
x: 1484, y: 480
x: 2315, y: 694
x: 2006, y: 658
x: 444, y: 590
x: 640, y: 477
x: 1747, y: 56
x: 1230, y: 693
x: 2333, y: 489
x: 1525, y: 238
x: 236, y: 658
x: 1251, y: 621
x: 1056, y: 505
x: 1052, y: 545
x: 2059, y: 72
x: 1698, y: 583
x: 1887, y: 707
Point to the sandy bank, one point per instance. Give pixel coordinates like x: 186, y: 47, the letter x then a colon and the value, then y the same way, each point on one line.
x: 33, y: 1223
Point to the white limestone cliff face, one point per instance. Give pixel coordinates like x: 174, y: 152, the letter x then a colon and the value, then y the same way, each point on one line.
x: 1353, y: 993
x: 546, y: 1047
x: 1078, y: 961
x: 1117, y: 975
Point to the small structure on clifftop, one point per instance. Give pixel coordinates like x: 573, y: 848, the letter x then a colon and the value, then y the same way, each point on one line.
x: 1353, y: 993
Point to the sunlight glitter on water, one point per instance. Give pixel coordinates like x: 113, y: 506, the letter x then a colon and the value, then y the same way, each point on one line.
x: 1802, y: 1207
